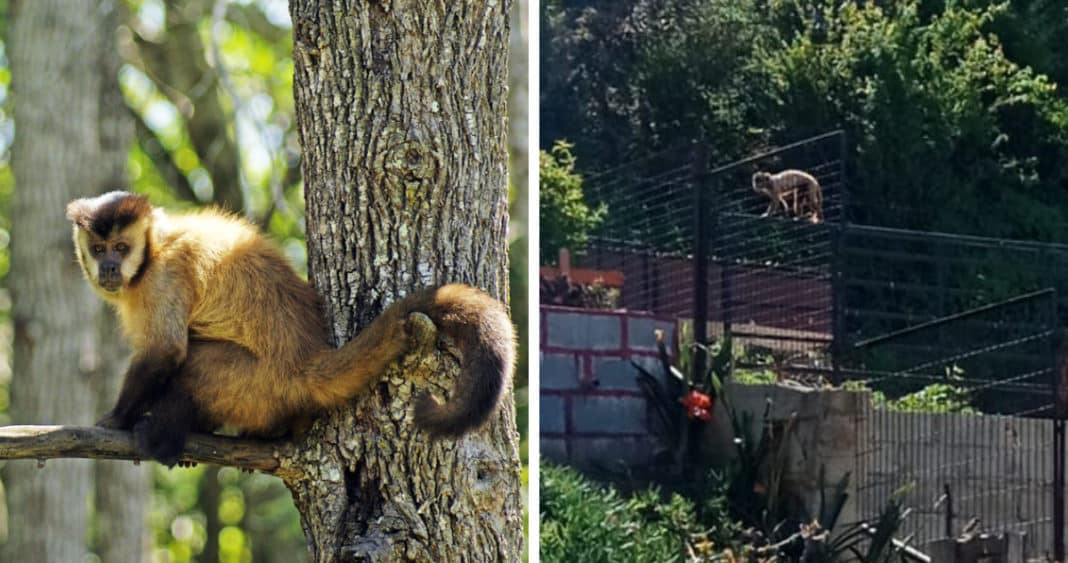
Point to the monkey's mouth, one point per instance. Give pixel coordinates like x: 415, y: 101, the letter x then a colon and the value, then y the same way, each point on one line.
x: 110, y: 284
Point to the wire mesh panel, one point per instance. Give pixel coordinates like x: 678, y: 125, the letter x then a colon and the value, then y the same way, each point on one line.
x: 993, y: 359
x: 893, y: 279
x: 646, y: 238
x: 771, y: 253
x: 962, y: 474
x: 979, y: 456
x: 963, y: 328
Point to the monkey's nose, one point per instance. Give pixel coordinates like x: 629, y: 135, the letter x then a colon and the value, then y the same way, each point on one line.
x: 109, y: 270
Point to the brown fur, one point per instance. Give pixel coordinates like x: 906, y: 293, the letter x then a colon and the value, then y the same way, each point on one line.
x: 803, y: 190
x: 215, y: 313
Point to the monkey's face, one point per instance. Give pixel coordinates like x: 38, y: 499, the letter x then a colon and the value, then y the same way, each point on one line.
x: 762, y: 182
x: 111, y: 238
x: 108, y: 262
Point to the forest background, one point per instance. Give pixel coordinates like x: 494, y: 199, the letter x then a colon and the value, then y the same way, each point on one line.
x: 209, y: 87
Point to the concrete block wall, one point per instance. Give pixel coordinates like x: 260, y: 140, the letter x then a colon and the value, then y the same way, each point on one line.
x: 592, y: 411
x: 827, y: 433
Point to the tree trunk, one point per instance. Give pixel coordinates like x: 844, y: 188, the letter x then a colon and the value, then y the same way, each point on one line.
x: 401, y: 109
x: 69, y: 144
x: 121, y: 488
x: 518, y: 128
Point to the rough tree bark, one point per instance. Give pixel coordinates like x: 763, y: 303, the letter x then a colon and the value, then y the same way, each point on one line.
x: 401, y: 110
x: 70, y: 142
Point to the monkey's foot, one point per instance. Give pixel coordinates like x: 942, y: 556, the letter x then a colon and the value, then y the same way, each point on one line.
x: 161, y: 444
x: 112, y: 421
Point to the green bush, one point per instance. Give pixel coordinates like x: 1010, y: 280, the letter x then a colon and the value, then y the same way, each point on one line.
x: 566, y: 219
x: 585, y: 521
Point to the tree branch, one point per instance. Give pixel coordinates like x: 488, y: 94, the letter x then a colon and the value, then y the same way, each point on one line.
x: 91, y: 442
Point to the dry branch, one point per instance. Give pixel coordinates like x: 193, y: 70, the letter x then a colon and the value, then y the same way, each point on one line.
x: 91, y: 442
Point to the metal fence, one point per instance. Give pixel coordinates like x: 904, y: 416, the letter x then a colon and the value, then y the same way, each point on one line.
x: 766, y: 279
x: 647, y: 235
x: 975, y: 454
x: 968, y: 326
x: 909, y: 314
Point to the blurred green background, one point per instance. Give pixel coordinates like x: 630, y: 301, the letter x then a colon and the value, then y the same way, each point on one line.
x: 213, y: 107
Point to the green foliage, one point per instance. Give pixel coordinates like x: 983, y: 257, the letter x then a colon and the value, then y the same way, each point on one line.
x: 755, y: 376
x: 950, y: 126
x: 177, y: 525
x: 624, y: 79
x: 687, y: 94
x: 941, y: 117
x: 933, y: 398
x: 584, y: 521
x: 566, y: 219
x: 819, y: 542
x: 256, y: 512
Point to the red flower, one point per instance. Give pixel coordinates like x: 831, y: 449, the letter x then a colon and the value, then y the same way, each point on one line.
x: 697, y: 405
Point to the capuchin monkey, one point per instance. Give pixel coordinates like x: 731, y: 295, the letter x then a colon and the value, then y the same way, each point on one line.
x: 801, y: 187
x: 225, y: 333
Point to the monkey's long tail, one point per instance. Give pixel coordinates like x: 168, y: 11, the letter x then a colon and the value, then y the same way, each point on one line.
x: 479, y: 325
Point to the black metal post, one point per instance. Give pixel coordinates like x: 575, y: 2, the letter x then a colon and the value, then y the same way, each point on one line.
x: 838, y: 333
x: 1059, y: 378
x: 1059, y: 386
x: 949, y: 510
x: 1058, y: 489
x: 699, y: 181
x: 843, y: 181
x: 699, y: 184
x: 838, y: 230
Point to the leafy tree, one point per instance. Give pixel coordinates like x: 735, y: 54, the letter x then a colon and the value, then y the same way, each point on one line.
x: 566, y: 219
x: 945, y: 127
x: 623, y: 80
x: 948, y: 114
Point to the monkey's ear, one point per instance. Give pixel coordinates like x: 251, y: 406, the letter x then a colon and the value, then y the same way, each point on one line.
x: 78, y: 211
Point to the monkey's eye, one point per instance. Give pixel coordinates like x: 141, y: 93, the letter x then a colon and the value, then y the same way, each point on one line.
x: 97, y: 249
x: 122, y: 247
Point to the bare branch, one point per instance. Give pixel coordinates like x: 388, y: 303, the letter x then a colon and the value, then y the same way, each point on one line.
x: 91, y: 442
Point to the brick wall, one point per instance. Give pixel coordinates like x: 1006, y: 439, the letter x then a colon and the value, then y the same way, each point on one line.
x: 592, y: 411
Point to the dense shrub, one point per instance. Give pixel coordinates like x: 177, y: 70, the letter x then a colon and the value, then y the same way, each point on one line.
x: 585, y: 521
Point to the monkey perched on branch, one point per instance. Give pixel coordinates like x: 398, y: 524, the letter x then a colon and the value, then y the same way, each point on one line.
x: 801, y: 188
x: 226, y: 334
